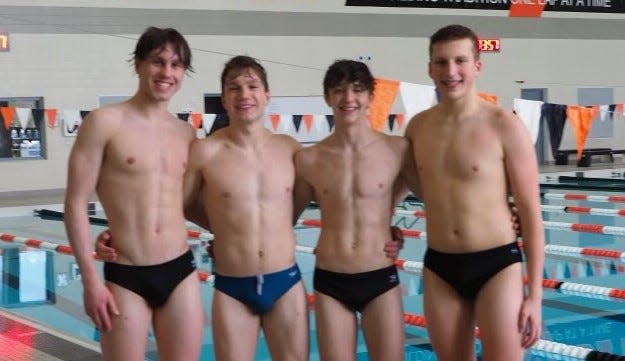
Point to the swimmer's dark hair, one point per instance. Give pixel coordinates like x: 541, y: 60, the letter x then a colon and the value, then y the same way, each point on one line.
x: 157, y: 38
x: 240, y: 64
x: 455, y: 32
x: 350, y: 71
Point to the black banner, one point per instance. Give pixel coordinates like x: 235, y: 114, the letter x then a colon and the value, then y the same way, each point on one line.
x: 586, y: 6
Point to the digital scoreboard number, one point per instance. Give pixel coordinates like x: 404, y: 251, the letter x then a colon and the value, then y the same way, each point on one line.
x: 490, y: 45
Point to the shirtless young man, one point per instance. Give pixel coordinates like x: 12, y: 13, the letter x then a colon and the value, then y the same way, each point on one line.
x: 470, y: 154
x: 355, y: 176
x: 244, y: 176
x: 134, y: 154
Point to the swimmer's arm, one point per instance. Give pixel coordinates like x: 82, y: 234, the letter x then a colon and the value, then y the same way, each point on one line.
x: 522, y: 172
x: 409, y: 178
x: 409, y: 173
x: 192, y: 187
x: 84, y: 165
x: 302, y: 196
x: 303, y: 192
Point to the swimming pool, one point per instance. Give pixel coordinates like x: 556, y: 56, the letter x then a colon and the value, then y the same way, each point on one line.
x: 44, y: 286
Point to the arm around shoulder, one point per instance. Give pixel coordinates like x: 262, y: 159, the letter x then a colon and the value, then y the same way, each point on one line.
x: 193, y: 183
x: 84, y: 166
x: 522, y: 171
x: 303, y: 192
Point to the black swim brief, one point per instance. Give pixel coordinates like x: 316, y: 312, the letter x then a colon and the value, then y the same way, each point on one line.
x: 468, y: 272
x: 355, y: 290
x: 155, y: 283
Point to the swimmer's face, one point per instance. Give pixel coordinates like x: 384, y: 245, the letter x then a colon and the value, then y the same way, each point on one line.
x: 161, y: 73
x: 349, y: 101
x: 244, y: 95
x: 453, y: 67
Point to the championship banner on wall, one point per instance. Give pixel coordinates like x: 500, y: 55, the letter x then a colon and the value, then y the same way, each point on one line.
x: 587, y: 6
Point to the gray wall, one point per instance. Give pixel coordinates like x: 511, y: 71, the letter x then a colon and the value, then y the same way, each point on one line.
x: 71, y: 54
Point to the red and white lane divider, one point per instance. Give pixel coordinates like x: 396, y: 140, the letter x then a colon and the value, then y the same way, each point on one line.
x: 584, y: 251
x: 66, y: 249
x: 549, y: 249
x: 583, y: 210
x: 545, y: 208
x: 561, y: 226
x: 584, y: 197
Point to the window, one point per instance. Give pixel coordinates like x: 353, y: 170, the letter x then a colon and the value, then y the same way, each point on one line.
x: 22, y: 136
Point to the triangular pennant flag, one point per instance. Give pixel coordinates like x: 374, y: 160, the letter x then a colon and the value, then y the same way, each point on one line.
x: 399, y: 118
x: 602, y: 267
x: 72, y: 121
x: 391, y: 121
x: 51, y: 115
x: 23, y: 115
x: 602, y: 110
x: 555, y: 116
x: 330, y: 120
x: 567, y: 271
x: 308, y: 121
x: 84, y: 114
x: 416, y: 98
x: 384, y: 94
x: 183, y: 116
x: 558, y: 271
x: 589, y: 269
x: 7, y: 113
x: 207, y: 122
x: 530, y: 112
x: 275, y: 121
x: 196, y: 120
x: 611, y: 110
x: 221, y: 121
x: 297, y: 121
x: 581, y: 118
x: 38, y: 117
x: 491, y: 98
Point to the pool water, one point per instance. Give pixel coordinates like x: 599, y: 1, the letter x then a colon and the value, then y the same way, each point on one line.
x: 44, y: 286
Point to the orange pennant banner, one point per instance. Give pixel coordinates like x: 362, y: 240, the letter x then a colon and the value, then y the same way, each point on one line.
x: 196, y: 120
x: 308, y: 121
x: 399, y: 118
x: 51, y: 115
x: 7, y: 113
x: 275, y: 120
x: 384, y: 94
x: 488, y: 97
x: 581, y: 118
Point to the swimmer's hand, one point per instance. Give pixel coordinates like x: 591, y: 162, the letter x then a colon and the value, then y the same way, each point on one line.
x: 103, y: 249
x: 516, y: 223
x: 392, y: 247
x: 100, y: 305
x: 530, y: 323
